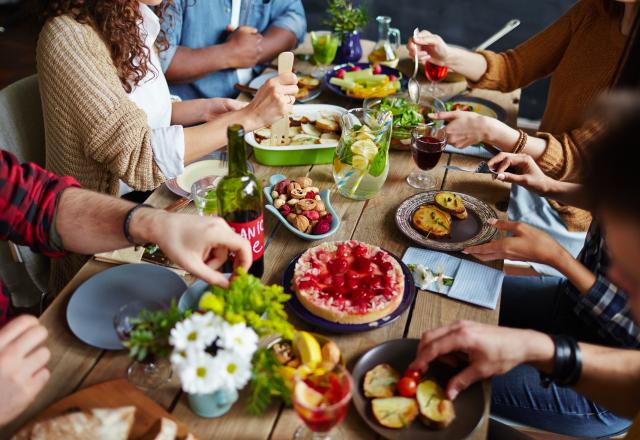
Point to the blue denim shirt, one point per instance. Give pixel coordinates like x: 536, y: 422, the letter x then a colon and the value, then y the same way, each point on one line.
x: 202, y: 23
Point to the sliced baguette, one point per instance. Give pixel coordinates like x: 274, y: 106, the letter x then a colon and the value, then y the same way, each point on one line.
x: 394, y: 412
x: 436, y: 411
x: 163, y: 429
x: 432, y: 221
x: 451, y: 203
x: 381, y: 381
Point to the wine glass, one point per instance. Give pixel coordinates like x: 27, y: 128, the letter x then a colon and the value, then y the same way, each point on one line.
x: 321, y: 401
x: 427, y: 143
x: 205, y: 197
x: 325, y: 45
x: 152, y: 372
x: 435, y: 73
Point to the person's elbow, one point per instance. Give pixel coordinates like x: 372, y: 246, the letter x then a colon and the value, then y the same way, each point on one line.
x: 294, y: 22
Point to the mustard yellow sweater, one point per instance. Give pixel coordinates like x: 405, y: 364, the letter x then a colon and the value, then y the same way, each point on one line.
x: 93, y: 131
x: 581, y: 52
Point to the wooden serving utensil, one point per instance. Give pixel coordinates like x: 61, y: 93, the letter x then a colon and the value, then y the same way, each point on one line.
x: 280, y: 128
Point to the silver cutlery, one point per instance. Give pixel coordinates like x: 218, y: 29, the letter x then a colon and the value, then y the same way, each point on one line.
x: 511, y: 25
x: 413, y: 87
x: 482, y: 168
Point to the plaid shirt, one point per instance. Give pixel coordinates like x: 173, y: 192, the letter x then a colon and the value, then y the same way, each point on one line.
x: 28, y: 196
x: 604, y: 306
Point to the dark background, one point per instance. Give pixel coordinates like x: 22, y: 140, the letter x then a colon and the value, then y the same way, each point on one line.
x: 462, y: 22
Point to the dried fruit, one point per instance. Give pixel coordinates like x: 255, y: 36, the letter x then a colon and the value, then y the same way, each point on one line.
x: 304, y: 182
x: 301, y: 223
x: 312, y: 215
x: 292, y: 202
x: 278, y: 203
x: 310, y: 195
x: 322, y: 227
x: 285, y: 210
x: 307, y: 205
x: 328, y: 218
x: 282, y: 186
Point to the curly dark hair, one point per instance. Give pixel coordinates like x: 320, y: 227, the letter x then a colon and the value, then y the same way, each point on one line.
x: 117, y: 22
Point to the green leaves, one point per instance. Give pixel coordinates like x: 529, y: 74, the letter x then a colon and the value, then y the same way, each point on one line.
x: 344, y: 18
x: 267, y: 382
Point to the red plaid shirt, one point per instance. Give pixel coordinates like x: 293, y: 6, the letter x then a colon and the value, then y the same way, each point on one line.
x: 28, y: 197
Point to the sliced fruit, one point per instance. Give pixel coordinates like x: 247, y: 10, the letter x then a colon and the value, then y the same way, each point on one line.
x: 360, y: 162
x: 308, y: 348
x: 381, y: 381
x: 211, y: 303
x: 306, y: 395
x: 366, y: 148
x: 343, y: 83
x: 435, y: 409
x: 394, y: 412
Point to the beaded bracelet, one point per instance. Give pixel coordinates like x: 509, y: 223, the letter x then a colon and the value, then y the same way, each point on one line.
x: 522, y: 142
x: 127, y: 221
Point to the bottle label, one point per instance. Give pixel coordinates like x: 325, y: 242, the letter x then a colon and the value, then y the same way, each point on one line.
x: 254, y: 232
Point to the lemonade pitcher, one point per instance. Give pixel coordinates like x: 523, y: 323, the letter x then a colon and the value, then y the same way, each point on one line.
x: 361, y: 163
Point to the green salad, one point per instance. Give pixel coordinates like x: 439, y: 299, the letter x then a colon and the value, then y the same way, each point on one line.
x: 405, y: 115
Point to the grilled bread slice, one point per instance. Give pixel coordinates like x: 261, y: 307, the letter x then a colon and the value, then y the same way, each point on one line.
x: 436, y: 410
x: 451, y: 203
x: 381, y: 381
x: 394, y: 412
x: 432, y: 221
x: 308, y: 81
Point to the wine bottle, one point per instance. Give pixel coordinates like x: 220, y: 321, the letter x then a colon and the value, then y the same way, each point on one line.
x: 240, y: 199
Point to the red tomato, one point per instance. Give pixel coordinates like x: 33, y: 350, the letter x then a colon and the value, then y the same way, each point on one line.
x: 414, y: 374
x: 377, y: 70
x: 340, y: 73
x: 407, y: 387
x: 392, y: 78
x: 356, y: 68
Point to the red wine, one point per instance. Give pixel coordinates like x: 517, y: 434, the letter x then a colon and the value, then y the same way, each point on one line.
x: 435, y: 72
x: 426, y: 151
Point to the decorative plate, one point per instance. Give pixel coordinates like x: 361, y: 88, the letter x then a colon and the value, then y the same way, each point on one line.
x: 471, y: 231
x: 480, y: 105
x: 386, y: 70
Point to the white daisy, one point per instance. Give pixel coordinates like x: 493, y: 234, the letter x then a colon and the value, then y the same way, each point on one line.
x: 199, y: 373
x: 239, y: 339
x: 233, y: 371
x: 194, y: 333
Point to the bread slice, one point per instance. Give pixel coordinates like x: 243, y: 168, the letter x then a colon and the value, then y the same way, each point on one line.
x: 308, y: 82
x: 432, y: 221
x: 163, y: 429
x: 381, y: 381
x: 394, y: 412
x: 451, y: 203
x: 436, y: 410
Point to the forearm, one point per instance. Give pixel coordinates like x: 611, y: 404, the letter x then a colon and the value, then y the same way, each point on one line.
x: 276, y: 40
x: 568, y: 193
x: 506, y: 138
x: 470, y: 64
x: 191, y: 112
x: 190, y: 64
x: 577, y: 274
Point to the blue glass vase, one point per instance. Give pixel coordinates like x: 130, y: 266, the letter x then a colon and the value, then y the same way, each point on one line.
x: 350, y: 50
x: 213, y: 405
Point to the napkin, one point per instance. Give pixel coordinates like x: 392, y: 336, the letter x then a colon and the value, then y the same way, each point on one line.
x: 472, y: 282
x: 472, y: 150
x: 132, y: 255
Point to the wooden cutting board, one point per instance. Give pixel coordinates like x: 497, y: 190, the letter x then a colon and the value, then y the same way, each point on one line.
x: 113, y: 394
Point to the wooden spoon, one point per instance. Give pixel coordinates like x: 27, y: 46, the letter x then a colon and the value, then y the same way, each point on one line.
x: 280, y: 128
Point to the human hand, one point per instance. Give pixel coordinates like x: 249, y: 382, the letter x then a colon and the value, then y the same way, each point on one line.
x: 429, y: 47
x: 487, y: 349
x: 200, y: 245
x: 245, y: 46
x: 525, y: 244
x: 522, y: 170
x: 467, y: 128
x: 219, y: 106
x: 273, y: 100
x: 23, y: 361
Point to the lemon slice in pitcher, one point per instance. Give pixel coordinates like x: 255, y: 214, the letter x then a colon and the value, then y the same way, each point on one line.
x: 366, y: 148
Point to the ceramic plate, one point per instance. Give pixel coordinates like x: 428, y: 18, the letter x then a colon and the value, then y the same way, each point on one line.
x: 480, y: 106
x: 385, y: 70
x: 94, y: 304
x: 295, y: 306
x: 399, y: 353
x: 471, y: 231
x: 258, y: 81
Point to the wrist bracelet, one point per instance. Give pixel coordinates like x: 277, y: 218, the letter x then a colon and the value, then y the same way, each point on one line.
x: 127, y: 221
x: 567, y: 363
x: 522, y: 142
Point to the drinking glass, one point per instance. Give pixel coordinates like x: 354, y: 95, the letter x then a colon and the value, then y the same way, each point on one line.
x: 427, y: 143
x: 435, y: 73
x: 325, y: 45
x: 204, y: 196
x: 335, y: 388
x: 152, y: 372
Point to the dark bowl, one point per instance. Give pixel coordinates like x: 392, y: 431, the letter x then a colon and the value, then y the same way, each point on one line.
x: 338, y: 91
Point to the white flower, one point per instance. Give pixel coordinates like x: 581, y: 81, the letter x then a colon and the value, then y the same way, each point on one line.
x: 423, y: 276
x: 199, y: 373
x: 194, y: 333
x: 233, y: 371
x: 239, y: 339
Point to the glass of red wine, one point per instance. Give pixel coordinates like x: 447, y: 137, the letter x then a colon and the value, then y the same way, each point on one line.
x: 427, y: 143
x: 435, y: 73
x: 152, y: 371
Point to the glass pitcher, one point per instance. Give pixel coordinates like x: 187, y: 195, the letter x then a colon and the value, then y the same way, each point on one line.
x: 386, y: 51
x: 361, y: 162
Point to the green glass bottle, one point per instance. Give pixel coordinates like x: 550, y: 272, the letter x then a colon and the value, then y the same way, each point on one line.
x: 240, y: 200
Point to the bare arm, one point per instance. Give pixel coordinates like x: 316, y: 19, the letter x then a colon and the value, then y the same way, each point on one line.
x: 275, y: 41
x: 190, y: 64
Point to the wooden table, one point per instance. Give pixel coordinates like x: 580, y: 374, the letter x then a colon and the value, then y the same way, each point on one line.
x: 75, y: 365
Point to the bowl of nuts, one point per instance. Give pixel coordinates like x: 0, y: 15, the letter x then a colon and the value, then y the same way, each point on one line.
x: 301, y: 207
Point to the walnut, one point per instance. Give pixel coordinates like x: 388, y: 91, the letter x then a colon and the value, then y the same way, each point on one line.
x: 292, y: 218
x: 278, y: 203
x: 307, y: 205
x: 301, y: 223
x: 304, y: 182
x: 293, y: 186
x: 292, y: 202
x: 298, y: 193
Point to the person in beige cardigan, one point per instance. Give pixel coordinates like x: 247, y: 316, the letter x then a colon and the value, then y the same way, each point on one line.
x: 109, y: 119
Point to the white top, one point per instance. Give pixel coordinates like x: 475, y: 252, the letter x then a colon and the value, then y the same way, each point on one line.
x: 152, y: 95
x: 244, y: 75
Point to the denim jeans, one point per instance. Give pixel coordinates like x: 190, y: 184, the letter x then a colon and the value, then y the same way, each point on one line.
x: 539, y: 303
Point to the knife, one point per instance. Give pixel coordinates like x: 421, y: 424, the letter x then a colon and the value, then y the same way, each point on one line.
x: 483, y: 168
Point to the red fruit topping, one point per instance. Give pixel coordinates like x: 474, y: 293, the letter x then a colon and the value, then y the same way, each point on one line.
x: 340, y: 73
x: 393, y: 78
x: 310, y: 195
x: 308, y: 284
x: 360, y: 251
x: 338, y: 266
x: 378, y: 258
x: 362, y: 265
x: 326, y: 279
x: 377, y: 69
x: 343, y: 251
x: 328, y: 218
x: 312, y: 215
x: 386, y: 266
x: 338, y: 281
x: 353, y: 283
x: 321, y: 227
x: 356, y: 68
x: 285, y: 210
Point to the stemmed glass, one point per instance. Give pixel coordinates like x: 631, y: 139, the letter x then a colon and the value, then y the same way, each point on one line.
x: 205, y: 197
x: 325, y: 45
x: 321, y: 401
x: 435, y: 73
x: 152, y: 372
x: 427, y: 143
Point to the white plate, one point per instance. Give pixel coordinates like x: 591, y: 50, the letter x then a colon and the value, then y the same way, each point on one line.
x: 300, y: 110
x: 199, y: 170
x: 258, y: 81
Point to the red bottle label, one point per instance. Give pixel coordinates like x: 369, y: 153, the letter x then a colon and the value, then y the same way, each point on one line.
x: 254, y: 232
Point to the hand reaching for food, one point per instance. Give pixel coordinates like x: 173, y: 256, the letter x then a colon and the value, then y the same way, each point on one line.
x: 522, y: 170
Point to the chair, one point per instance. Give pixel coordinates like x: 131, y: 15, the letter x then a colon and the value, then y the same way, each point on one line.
x: 22, y: 133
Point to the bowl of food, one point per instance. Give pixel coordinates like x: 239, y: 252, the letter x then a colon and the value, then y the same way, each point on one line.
x: 364, y: 80
x: 314, y: 132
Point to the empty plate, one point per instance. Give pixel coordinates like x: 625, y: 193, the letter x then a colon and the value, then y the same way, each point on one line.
x: 94, y: 304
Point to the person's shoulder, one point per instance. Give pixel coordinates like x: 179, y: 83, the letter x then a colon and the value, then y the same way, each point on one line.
x: 594, y: 8
x: 64, y: 31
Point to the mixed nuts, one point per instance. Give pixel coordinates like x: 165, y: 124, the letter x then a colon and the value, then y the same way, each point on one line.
x: 300, y: 203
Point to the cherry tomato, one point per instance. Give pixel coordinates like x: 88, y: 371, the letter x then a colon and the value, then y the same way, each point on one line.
x: 356, y: 68
x: 393, y: 78
x: 407, y: 387
x: 340, y: 73
x: 414, y: 374
x: 377, y: 70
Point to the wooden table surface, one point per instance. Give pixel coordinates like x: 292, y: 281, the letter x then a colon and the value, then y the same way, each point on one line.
x: 75, y: 365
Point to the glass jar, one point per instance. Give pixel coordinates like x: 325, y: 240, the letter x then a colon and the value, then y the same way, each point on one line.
x: 386, y: 51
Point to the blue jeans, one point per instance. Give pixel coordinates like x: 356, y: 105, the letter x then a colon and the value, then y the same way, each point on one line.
x: 539, y: 303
